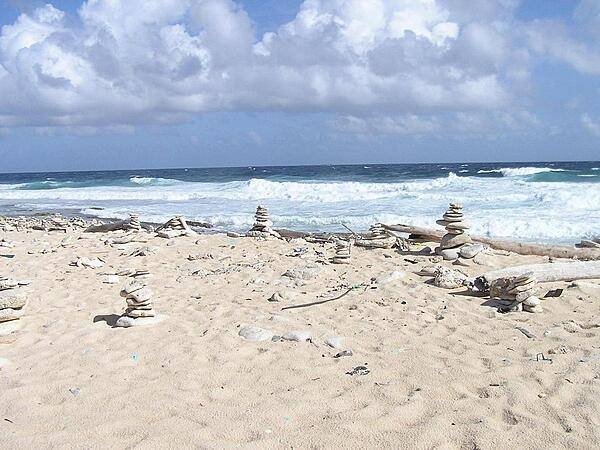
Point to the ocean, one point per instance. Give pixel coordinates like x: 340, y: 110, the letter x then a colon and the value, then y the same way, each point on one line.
x: 554, y: 202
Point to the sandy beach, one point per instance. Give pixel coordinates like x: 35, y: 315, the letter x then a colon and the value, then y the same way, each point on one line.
x: 441, y: 368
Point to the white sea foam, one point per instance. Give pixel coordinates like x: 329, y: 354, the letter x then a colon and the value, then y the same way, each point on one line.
x: 509, y: 207
x: 520, y: 171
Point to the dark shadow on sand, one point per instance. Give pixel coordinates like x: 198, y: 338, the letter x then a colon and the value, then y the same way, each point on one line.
x: 110, y: 319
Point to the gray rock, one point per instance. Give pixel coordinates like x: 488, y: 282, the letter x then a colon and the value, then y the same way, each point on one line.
x: 449, y: 254
x: 11, y: 300
x: 255, y: 334
x: 8, y: 314
x: 470, y: 251
x: 454, y: 240
x: 297, y: 336
x: 303, y: 273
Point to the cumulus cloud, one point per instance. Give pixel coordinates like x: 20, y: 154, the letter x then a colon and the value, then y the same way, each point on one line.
x: 123, y: 63
x: 591, y: 125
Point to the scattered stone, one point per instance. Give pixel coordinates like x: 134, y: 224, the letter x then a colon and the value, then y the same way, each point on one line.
x: 343, y: 353
x: 91, y: 263
x: 8, y: 314
x: 336, y: 342
x: 8, y: 283
x: 277, y: 297
x: 110, y: 279
x: 394, y: 276
x: 10, y: 300
x: 252, y: 333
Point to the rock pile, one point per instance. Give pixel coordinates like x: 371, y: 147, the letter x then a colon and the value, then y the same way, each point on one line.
x: 139, y: 303
x: 262, y: 224
x: 134, y: 222
x: 342, y: 252
x: 378, y: 237
x: 177, y: 226
x: 456, y: 235
x: 516, y: 293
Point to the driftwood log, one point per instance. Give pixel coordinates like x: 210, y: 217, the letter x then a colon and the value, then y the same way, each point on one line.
x: 543, y: 273
x: 111, y: 226
x: 554, y: 251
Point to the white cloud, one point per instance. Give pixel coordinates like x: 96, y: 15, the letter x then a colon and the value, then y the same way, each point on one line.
x: 123, y: 63
x: 591, y: 125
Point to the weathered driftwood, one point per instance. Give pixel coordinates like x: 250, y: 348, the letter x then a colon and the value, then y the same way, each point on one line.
x: 548, y: 272
x: 111, y: 226
x: 554, y: 251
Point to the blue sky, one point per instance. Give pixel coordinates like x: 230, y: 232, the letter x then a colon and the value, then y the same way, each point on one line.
x: 196, y: 83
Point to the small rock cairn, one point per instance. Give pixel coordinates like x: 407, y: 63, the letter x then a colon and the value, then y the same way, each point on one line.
x: 262, y: 224
x: 456, y: 235
x: 342, y: 252
x: 378, y: 237
x: 177, y: 226
x: 517, y: 293
x: 139, y: 303
x: 134, y: 222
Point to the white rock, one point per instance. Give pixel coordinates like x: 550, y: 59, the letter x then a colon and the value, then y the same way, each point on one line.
x: 303, y: 273
x: 470, y: 251
x: 449, y: 254
x: 449, y: 278
x: 255, y: 334
x: 111, y: 279
x: 387, y: 279
x: 532, y: 301
x: 297, y: 336
x: 125, y: 322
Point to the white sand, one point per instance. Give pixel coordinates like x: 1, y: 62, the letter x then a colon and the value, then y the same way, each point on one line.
x: 446, y: 371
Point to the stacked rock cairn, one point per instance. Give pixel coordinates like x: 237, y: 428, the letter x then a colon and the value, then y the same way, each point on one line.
x: 342, y: 252
x: 516, y: 293
x: 456, y: 235
x: 177, y: 226
x: 11, y: 303
x: 262, y: 224
x: 139, y: 303
x: 378, y: 237
x: 134, y: 222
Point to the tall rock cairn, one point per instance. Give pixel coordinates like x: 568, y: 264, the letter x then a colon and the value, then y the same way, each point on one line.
x: 342, y: 252
x: 138, y: 297
x: 456, y: 230
x: 134, y: 222
x: 262, y: 224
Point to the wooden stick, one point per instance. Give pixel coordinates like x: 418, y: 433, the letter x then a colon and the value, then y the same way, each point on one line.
x: 320, y: 302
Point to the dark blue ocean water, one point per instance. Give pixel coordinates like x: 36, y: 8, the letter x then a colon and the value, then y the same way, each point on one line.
x: 552, y: 201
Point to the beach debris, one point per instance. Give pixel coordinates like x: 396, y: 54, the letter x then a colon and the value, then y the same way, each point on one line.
x: 177, y: 226
x: 134, y: 222
x: 377, y: 237
x: 6, y: 244
x: 359, y: 370
x: 144, y: 251
x: 253, y: 333
x: 262, y: 224
x: 90, y: 263
x: 343, y: 353
x: 138, y: 297
x: 390, y: 278
x: 456, y: 236
x: 277, y: 297
x: 342, y: 252
x: 447, y: 278
x: 110, y: 279
x: 7, y: 283
x: 336, y: 342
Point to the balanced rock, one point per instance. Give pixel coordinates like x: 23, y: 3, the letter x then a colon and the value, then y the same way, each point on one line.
x: 134, y: 222
x: 456, y: 236
x: 377, y: 237
x: 521, y: 289
x: 342, y: 252
x: 138, y: 298
x: 177, y: 226
x: 262, y: 224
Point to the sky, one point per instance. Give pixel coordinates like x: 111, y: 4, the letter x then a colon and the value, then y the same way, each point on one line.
x: 116, y: 84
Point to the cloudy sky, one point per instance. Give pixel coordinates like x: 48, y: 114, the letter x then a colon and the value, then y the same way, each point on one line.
x: 105, y: 84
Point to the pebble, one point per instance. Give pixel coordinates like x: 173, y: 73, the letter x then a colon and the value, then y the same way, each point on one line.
x: 252, y: 333
x: 276, y: 297
x: 470, y: 251
x: 449, y: 278
x: 449, y: 254
x: 125, y: 322
x: 343, y: 353
x: 111, y: 279
x: 359, y: 370
x: 10, y: 300
x: 303, y: 273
